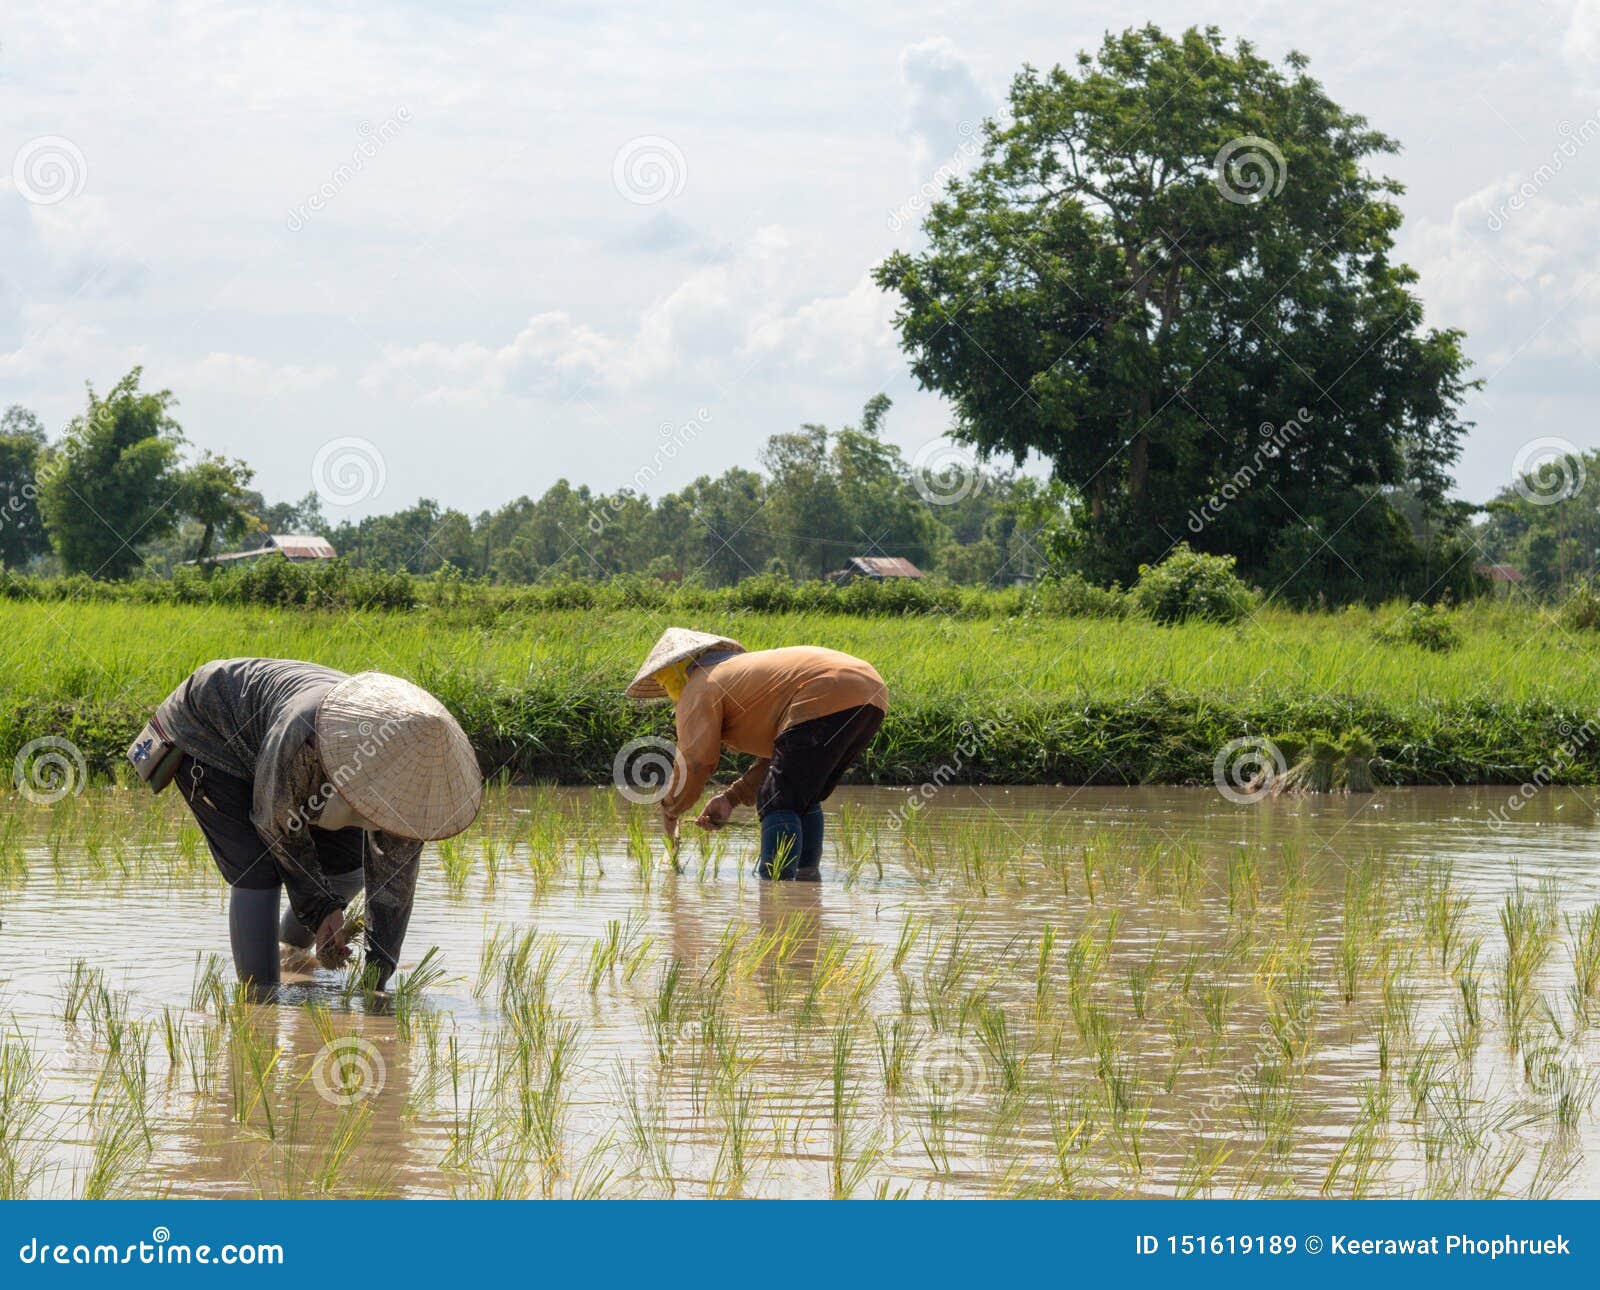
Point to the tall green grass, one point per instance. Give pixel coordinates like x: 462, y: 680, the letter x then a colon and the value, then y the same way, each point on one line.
x: 1023, y: 700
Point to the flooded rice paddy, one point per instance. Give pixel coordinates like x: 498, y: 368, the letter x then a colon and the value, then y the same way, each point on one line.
x: 1035, y: 992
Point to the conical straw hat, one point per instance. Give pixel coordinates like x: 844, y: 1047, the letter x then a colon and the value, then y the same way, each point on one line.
x: 676, y: 644
x: 398, y: 757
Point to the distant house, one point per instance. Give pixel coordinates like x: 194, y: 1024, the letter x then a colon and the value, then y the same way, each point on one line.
x: 1501, y: 577
x: 878, y: 568
x: 301, y: 548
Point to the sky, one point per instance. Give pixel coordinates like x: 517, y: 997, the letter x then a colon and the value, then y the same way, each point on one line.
x: 402, y: 250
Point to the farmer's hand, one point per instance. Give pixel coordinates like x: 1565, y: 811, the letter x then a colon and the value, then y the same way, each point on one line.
x: 669, y: 823
x: 716, y: 814
x: 332, y: 951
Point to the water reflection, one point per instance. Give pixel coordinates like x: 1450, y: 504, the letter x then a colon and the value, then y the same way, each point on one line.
x: 1161, y: 968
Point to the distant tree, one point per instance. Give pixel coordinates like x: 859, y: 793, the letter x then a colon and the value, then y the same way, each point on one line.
x: 304, y: 516
x: 214, y: 493
x: 113, y: 483
x: 419, y: 539
x: 834, y: 494
x: 718, y: 528
x: 1165, y: 251
x: 22, y: 535
x: 1547, y: 523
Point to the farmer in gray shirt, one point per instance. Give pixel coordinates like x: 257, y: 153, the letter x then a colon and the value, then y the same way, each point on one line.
x: 319, y: 782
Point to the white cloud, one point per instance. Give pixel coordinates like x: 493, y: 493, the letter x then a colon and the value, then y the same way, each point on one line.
x: 249, y: 377
x: 945, y: 103
x: 1519, y: 279
x: 552, y: 354
x: 486, y: 263
x: 1580, y: 45
x: 845, y: 335
x: 714, y: 325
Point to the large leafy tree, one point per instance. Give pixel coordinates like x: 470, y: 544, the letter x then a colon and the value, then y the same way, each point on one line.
x: 22, y: 535
x: 113, y: 482
x: 1166, y: 249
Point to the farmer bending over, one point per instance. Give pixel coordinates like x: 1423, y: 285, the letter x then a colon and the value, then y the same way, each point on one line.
x: 804, y: 713
x: 310, y: 779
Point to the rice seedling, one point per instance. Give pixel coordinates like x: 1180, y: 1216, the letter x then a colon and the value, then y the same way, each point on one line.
x: 1585, y: 948
x: 456, y: 864
x: 253, y: 1058
x: 1315, y: 771
x: 664, y: 1016
x: 1001, y: 1044
x: 83, y: 984
x: 1357, y: 1167
x: 1244, y: 881
x: 733, y: 1165
x: 21, y: 1109
x: 409, y: 988
x: 1528, y: 924
x: 1571, y: 1090
x: 1216, y: 1003
x: 645, y: 1123
x: 1355, y: 762
x: 893, y: 1049
x: 118, y: 1154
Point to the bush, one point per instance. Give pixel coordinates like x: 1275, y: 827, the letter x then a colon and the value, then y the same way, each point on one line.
x: 1426, y: 627
x: 1073, y: 596
x: 1189, y: 584
x: 1581, y: 610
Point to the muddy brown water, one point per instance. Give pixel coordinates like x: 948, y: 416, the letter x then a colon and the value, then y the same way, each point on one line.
x: 781, y: 1088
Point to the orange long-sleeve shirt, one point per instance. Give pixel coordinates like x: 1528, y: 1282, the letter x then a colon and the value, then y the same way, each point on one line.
x: 745, y: 702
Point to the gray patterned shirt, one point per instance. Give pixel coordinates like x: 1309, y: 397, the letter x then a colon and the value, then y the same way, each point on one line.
x: 255, y: 719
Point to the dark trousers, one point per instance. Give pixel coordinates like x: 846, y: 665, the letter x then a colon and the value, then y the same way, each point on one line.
x: 808, y: 761
x: 221, y: 805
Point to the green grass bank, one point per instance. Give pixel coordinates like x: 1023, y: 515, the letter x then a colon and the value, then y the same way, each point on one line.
x: 1019, y: 697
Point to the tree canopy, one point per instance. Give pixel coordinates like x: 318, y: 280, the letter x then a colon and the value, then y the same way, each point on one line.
x: 113, y: 481
x: 1164, y: 254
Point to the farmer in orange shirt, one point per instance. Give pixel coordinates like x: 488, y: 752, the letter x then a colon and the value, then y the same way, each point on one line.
x: 804, y: 713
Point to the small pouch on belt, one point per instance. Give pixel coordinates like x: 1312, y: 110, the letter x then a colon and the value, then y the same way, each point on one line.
x: 154, y: 756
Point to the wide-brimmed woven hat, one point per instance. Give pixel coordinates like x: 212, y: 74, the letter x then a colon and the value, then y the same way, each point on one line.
x: 398, y: 757
x: 675, y: 645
